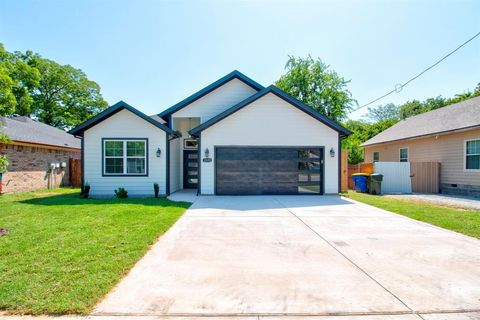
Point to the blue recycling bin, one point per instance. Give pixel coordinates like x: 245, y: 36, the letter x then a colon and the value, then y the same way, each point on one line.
x: 361, y: 182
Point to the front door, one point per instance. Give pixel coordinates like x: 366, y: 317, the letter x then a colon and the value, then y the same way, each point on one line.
x: 190, y: 169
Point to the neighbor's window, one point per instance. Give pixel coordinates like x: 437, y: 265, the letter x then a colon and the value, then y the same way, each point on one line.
x: 404, y: 155
x: 472, y: 155
x: 376, y: 156
x: 125, y: 157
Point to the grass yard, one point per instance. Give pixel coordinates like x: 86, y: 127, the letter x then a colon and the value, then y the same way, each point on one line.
x: 459, y: 220
x: 62, y: 253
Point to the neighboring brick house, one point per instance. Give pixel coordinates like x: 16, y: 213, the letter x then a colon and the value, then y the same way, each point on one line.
x: 35, y: 149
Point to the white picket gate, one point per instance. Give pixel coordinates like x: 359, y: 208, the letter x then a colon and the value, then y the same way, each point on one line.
x: 396, y: 176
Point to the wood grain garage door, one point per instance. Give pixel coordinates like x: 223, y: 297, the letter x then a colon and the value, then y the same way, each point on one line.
x: 264, y: 170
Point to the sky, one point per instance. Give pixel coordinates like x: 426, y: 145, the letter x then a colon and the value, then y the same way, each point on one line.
x: 152, y: 54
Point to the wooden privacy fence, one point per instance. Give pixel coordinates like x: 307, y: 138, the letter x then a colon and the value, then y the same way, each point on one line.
x: 75, y: 166
x: 425, y: 177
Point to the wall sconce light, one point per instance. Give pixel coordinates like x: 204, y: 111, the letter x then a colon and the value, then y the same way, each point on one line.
x: 159, y: 153
x: 207, y: 153
x: 332, y: 152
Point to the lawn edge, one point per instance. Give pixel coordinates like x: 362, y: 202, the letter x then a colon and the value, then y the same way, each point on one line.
x: 406, y: 217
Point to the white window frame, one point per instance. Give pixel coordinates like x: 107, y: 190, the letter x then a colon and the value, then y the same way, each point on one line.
x: 373, y: 156
x: 124, y: 156
x: 465, y: 156
x: 400, y: 154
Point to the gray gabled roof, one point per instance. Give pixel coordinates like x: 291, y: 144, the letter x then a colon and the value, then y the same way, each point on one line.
x: 24, y: 129
x: 459, y: 116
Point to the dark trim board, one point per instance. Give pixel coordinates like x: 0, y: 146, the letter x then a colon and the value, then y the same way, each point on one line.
x: 339, y: 151
x: 199, y: 185
x: 83, y: 163
x: 322, y: 164
x: 282, y: 95
x: 211, y: 87
x: 147, y: 163
x: 167, y: 164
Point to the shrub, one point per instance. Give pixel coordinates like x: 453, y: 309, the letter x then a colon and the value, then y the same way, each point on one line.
x: 3, y: 164
x: 156, y: 189
x: 121, y: 193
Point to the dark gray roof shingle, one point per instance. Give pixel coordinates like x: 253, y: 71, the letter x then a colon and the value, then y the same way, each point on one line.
x: 24, y: 129
x: 461, y: 115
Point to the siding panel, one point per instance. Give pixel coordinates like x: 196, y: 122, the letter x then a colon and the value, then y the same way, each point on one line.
x: 217, y: 101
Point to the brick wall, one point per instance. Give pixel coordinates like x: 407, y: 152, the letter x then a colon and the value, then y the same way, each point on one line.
x: 29, y: 167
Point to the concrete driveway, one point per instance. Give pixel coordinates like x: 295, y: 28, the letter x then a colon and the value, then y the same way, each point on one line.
x: 298, y: 256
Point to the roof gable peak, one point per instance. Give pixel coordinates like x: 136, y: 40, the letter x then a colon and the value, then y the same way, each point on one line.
x: 105, y: 114
x: 235, y: 74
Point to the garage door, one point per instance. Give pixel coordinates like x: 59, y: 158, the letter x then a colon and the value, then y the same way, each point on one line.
x: 268, y: 170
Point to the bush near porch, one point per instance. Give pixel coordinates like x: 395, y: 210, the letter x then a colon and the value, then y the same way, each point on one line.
x: 61, y: 254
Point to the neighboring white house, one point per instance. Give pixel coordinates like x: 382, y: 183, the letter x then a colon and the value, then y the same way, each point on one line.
x: 232, y: 137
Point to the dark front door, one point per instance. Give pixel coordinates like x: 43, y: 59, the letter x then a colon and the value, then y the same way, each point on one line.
x: 190, y: 169
x: 269, y: 170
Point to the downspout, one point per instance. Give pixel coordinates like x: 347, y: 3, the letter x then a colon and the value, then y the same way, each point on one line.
x: 82, y: 155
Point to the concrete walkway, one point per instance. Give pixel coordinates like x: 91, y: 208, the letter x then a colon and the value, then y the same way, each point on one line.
x: 293, y: 256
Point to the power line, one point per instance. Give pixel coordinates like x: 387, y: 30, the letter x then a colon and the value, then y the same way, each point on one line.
x: 400, y: 86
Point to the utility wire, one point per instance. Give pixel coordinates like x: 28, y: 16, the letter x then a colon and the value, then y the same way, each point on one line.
x: 400, y: 86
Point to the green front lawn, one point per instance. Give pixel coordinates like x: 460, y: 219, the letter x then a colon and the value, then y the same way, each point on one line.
x: 62, y: 254
x: 463, y: 221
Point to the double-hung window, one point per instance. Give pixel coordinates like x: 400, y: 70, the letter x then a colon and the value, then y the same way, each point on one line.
x: 472, y: 155
x: 125, y: 157
x: 404, y: 155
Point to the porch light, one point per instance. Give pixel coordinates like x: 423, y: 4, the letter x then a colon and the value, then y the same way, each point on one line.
x: 332, y: 152
x: 207, y: 153
x: 159, y: 153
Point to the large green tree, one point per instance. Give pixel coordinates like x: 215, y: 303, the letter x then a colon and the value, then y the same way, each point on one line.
x: 58, y: 95
x: 361, y: 132
x: 385, y: 112
x: 315, y: 84
x: 65, y: 96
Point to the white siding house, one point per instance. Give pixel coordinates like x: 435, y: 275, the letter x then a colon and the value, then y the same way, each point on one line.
x: 231, y: 137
